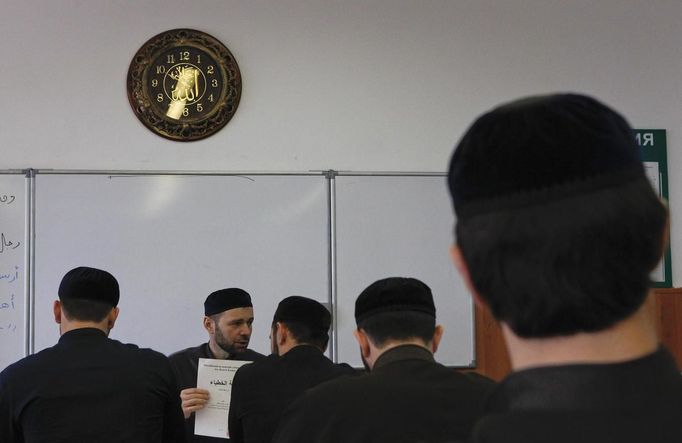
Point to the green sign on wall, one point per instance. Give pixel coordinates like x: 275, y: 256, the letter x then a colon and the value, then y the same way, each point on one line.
x: 654, y: 154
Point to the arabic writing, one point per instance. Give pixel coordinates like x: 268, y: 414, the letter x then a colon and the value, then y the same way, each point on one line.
x: 219, y: 382
x: 9, y: 304
x: 9, y: 199
x: 7, y: 244
x: 187, y: 86
x: 11, y: 277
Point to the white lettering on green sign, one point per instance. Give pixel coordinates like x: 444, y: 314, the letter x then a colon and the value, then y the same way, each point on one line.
x: 645, y: 138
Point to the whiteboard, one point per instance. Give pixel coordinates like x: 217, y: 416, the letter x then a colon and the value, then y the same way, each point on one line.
x: 170, y: 240
x: 399, y: 226
x: 13, y: 338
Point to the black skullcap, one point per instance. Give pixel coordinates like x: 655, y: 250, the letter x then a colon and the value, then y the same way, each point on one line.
x: 297, y: 309
x: 225, y: 299
x: 538, y: 149
x: 392, y: 295
x: 91, y: 284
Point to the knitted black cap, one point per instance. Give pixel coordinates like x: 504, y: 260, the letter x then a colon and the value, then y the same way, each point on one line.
x: 225, y: 299
x: 538, y: 149
x: 303, y: 310
x: 84, y: 283
x: 392, y: 295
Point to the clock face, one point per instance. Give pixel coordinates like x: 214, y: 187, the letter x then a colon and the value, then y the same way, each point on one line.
x: 184, y: 84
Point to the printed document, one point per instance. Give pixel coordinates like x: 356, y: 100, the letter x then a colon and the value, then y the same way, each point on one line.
x: 216, y: 377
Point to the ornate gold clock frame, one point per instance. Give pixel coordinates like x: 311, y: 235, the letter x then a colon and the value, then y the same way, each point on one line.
x: 184, y: 84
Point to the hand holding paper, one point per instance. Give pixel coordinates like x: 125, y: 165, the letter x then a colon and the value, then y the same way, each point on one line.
x: 215, y: 378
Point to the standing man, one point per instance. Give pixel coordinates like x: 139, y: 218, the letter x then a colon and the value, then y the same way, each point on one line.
x: 407, y: 396
x: 89, y: 388
x: 262, y: 390
x: 228, y: 316
x: 557, y: 232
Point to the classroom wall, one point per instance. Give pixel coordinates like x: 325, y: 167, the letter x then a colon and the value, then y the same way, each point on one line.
x: 363, y: 85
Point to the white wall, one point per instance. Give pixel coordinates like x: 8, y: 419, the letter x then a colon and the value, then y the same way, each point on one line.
x: 331, y: 84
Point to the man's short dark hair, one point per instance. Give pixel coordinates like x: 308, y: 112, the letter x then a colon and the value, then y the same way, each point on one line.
x: 557, y: 222
x: 85, y: 310
x: 398, y: 326
x: 303, y: 333
x: 575, y: 265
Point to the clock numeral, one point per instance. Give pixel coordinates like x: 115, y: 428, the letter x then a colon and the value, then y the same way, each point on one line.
x: 184, y: 56
x: 155, y: 83
x: 171, y: 58
x: 209, y: 70
x: 214, y: 82
x: 198, y: 59
x: 199, y: 107
x: 210, y: 98
x: 160, y: 69
x: 185, y: 112
x: 159, y: 97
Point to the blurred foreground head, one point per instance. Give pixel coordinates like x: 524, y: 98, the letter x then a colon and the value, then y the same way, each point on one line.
x: 556, y: 221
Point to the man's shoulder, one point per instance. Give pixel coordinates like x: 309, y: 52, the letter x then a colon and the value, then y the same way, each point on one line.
x: 187, y: 353
x: 346, y: 369
x: 260, y: 368
x: 192, y: 350
x: 134, y: 351
x: 430, y: 370
x: 250, y: 355
x: 57, y: 357
x: 340, y: 369
x: 569, y: 426
x: 347, y: 384
x: 25, y: 365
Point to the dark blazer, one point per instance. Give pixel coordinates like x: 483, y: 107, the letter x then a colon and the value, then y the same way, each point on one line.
x: 185, y: 366
x: 262, y: 390
x: 636, y: 401
x: 89, y: 388
x: 407, y: 397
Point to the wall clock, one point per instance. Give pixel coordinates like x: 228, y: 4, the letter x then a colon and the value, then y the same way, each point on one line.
x: 184, y: 84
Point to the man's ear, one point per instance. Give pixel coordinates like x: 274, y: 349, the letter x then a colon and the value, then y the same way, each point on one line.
x: 437, y: 335
x: 57, y: 311
x: 111, y: 318
x: 282, y: 333
x: 463, y: 268
x: 209, y: 325
x: 363, y: 342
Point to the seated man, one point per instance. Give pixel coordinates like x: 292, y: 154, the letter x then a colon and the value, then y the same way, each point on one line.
x: 228, y: 315
x: 407, y: 396
x: 557, y: 232
x: 262, y: 390
x: 88, y: 387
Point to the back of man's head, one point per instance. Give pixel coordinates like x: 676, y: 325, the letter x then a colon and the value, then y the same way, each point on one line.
x: 396, y: 309
x: 556, y: 220
x: 307, y: 320
x: 88, y: 294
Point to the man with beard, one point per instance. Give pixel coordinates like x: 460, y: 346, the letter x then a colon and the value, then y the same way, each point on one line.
x: 261, y: 391
x: 407, y: 396
x: 228, y: 316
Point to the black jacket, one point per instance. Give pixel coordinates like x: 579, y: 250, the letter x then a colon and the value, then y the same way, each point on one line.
x: 635, y: 401
x: 407, y: 397
x: 262, y: 390
x: 89, y: 388
x: 185, y: 366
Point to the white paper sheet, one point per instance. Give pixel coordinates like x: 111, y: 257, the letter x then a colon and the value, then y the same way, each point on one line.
x: 216, y: 377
